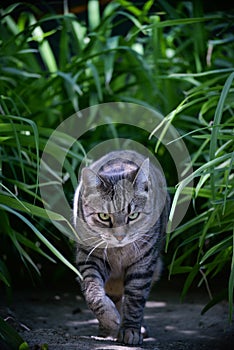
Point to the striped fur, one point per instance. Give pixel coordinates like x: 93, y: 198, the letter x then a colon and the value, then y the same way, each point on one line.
x: 120, y: 210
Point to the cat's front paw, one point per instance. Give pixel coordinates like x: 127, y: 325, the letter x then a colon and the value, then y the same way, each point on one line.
x: 107, y: 332
x: 130, y: 336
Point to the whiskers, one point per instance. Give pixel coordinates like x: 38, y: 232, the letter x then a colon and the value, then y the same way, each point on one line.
x: 92, y: 250
x: 136, y: 248
x: 141, y: 243
x: 94, y: 242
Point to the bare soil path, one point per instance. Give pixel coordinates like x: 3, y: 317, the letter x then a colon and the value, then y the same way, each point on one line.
x: 61, y: 321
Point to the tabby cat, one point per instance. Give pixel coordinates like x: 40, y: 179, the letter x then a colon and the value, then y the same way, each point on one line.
x: 120, y: 213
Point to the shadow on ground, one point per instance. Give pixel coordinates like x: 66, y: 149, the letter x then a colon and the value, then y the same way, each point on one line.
x: 62, y: 321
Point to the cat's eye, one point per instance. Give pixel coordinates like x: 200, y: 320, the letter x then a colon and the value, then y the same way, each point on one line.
x: 104, y: 216
x: 133, y: 216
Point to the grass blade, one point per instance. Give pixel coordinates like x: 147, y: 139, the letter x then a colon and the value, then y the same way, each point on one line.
x: 231, y: 283
x: 9, y: 338
x: 43, y: 239
x: 216, y: 126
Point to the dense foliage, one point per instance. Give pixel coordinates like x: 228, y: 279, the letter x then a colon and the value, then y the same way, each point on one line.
x: 179, y: 61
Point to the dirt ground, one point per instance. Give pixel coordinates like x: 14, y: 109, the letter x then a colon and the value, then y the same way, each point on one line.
x: 61, y: 320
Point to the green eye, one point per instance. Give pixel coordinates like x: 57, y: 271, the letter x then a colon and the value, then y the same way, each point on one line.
x: 133, y: 216
x: 104, y: 216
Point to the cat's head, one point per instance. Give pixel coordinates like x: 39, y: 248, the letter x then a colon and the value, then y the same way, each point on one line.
x: 115, y: 201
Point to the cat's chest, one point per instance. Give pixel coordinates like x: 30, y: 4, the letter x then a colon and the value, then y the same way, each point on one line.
x: 119, y: 259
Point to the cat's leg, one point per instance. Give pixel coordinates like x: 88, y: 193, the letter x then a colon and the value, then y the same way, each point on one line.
x: 114, y: 289
x: 93, y: 289
x: 137, y: 286
x: 102, y: 306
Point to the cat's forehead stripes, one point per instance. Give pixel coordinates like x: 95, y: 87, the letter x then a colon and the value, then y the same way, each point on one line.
x: 118, y: 166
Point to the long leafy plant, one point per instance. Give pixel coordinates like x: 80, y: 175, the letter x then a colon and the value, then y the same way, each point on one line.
x: 178, y: 61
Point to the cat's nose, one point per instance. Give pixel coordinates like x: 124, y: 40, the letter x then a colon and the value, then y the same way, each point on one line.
x: 119, y: 236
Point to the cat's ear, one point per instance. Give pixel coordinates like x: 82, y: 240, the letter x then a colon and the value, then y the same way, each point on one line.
x: 142, y: 176
x: 90, y: 178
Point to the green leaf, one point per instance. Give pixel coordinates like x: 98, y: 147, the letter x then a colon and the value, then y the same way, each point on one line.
x: 109, y: 59
x: 46, y: 52
x: 216, y: 248
x: 3, y: 274
x: 220, y: 297
x: 189, y: 280
x: 186, y: 21
x: 205, y: 167
x: 24, y: 346
x: 231, y: 282
x: 97, y: 79
x: 10, y: 338
x: 43, y: 239
x: 216, y: 126
x: 93, y: 14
